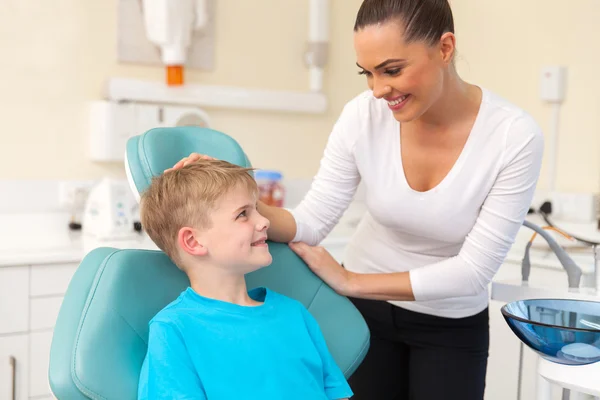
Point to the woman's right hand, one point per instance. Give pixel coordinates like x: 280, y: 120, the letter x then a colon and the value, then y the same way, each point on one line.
x: 188, y: 160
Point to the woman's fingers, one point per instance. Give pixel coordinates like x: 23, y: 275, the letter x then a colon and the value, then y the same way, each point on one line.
x: 193, y: 157
x: 303, y: 250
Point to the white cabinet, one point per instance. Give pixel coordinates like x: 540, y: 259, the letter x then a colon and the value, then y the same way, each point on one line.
x: 503, y: 361
x: 14, y: 367
x: 44, y: 312
x: 48, y: 284
x: 502, y: 375
x: 30, y: 299
x: 51, y: 279
x: 39, y: 345
x: 14, y: 299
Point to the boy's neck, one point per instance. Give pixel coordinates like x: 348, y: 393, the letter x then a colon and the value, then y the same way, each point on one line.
x: 215, y: 284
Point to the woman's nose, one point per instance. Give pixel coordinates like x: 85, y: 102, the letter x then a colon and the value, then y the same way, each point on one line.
x: 380, y: 89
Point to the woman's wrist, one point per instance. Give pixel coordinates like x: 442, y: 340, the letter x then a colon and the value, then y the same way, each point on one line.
x: 282, y: 223
x: 352, y: 285
x: 381, y: 286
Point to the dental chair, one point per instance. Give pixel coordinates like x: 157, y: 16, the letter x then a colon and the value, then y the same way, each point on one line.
x: 100, y: 338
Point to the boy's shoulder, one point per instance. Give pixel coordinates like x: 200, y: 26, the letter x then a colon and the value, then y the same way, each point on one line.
x: 283, y: 301
x: 172, y: 311
x: 291, y: 310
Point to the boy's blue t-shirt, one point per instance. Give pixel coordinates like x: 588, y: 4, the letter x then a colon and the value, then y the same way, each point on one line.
x: 200, y: 348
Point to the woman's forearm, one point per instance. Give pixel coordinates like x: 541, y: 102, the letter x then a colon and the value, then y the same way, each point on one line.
x: 386, y: 286
x: 283, y: 224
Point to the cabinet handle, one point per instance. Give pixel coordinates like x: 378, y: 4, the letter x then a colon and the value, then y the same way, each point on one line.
x: 13, y: 367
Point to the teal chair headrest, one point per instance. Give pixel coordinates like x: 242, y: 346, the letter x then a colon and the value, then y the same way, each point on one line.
x: 100, y: 338
x: 148, y: 155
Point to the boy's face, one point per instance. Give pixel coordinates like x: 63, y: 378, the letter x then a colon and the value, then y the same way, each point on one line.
x: 237, y: 237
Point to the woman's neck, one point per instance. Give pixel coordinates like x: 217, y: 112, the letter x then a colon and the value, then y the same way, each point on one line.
x: 459, y: 100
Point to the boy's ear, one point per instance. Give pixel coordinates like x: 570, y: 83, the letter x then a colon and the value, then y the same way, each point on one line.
x: 189, y: 241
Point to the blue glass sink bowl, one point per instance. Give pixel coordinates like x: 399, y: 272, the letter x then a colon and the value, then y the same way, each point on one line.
x: 560, y: 330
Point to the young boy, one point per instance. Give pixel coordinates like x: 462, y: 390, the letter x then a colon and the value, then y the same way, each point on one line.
x: 217, y: 340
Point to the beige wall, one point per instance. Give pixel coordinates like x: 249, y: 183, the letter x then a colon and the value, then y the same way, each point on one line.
x: 50, y: 72
x: 504, y: 44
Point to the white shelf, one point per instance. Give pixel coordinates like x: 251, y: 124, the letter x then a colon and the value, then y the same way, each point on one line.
x: 509, y: 291
x: 124, y: 89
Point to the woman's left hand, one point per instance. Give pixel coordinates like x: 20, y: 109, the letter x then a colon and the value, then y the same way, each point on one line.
x: 325, y: 266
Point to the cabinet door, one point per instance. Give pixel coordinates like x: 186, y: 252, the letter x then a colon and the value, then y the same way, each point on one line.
x: 502, y: 372
x: 51, y: 279
x: 503, y: 363
x: 44, y: 312
x: 14, y: 299
x: 549, y: 277
x: 14, y: 367
x: 40, y: 343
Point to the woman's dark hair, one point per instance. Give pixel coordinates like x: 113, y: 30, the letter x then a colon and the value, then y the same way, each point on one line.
x: 423, y: 20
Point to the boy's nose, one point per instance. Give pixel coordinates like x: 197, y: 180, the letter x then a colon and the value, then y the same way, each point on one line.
x: 263, y: 224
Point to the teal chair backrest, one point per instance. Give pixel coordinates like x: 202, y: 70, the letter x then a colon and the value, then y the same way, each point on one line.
x: 100, y: 338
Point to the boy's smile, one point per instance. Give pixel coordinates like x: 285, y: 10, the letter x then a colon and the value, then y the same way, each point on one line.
x: 260, y: 243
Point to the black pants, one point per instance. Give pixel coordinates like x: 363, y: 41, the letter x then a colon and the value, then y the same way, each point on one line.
x: 415, y: 356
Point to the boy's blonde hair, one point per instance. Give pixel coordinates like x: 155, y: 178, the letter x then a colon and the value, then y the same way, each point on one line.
x: 186, y: 197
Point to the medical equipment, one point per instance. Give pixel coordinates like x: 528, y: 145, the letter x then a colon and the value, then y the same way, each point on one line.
x: 573, y: 271
x: 112, y: 124
x: 318, y: 42
x: 566, y: 334
x: 555, y: 329
x: 108, y: 213
x: 163, y: 27
x: 169, y: 25
x: 553, y: 83
x: 560, y: 330
x: 100, y: 338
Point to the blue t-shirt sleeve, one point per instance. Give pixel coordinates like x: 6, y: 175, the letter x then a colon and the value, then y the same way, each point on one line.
x: 336, y: 385
x: 168, y: 371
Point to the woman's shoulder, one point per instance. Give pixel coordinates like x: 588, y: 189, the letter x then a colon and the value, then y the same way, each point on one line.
x: 500, y: 108
x: 514, y: 120
x: 511, y: 127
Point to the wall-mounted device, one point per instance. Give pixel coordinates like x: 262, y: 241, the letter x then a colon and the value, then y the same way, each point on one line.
x: 112, y: 123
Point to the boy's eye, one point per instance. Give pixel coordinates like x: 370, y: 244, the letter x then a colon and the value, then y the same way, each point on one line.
x: 242, y: 214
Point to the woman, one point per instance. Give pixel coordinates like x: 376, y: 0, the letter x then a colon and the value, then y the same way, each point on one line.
x: 450, y: 171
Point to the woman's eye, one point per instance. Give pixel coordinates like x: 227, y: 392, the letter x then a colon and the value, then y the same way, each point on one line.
x: 363, y: 72
x: 394, y: 71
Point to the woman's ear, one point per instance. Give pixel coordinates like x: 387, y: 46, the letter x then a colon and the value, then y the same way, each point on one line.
x: 448, y: 47
x: 189, y: 240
